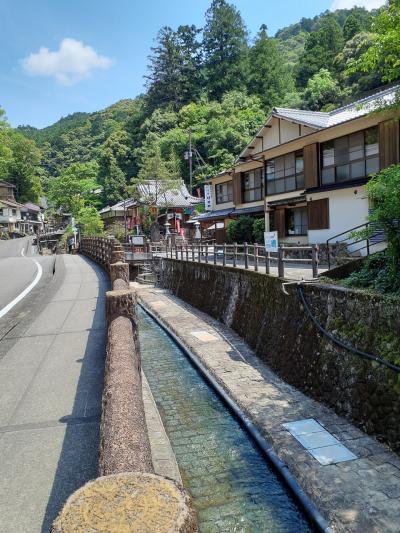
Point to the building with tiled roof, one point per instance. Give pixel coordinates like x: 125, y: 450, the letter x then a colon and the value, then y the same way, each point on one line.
x: 306, y: 171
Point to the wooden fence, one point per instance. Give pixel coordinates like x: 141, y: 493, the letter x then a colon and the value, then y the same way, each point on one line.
x: 242, y: 255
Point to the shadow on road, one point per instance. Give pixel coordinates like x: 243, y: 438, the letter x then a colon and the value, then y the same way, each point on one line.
x: 78, y: 461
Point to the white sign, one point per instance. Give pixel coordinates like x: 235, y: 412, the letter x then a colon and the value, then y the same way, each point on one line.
x: 208, y: 197
x: 137, y: 240
x: 271, y: 241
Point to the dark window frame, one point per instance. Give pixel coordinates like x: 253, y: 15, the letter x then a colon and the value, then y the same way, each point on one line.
x: 260, y: 188
x: 298, y: 176
x: 229, y: 195
x: 349, y: 162
x: 304, y: 227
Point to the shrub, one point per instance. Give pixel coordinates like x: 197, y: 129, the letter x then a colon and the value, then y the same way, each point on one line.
x: 240, y: 230
x: 258, y: 230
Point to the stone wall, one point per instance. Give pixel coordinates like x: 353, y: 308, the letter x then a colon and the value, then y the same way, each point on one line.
x: 281, y: 333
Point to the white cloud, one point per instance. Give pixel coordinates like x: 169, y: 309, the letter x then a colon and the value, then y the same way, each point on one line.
x: 348, y: 4
x: 72, y: 62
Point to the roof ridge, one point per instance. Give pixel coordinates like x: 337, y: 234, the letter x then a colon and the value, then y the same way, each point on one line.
x: 368, y: 98
x: 305, y: 111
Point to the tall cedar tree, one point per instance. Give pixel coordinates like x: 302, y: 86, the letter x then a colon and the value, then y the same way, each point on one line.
x: 225, y: 49
x: 175, y: 68
x: 269, y: 77
x: 320, y: 51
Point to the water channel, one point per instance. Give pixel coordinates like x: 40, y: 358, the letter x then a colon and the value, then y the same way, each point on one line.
x: 233, y: 488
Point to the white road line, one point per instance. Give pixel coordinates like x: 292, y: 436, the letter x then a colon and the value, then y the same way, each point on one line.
x: 26, y: 291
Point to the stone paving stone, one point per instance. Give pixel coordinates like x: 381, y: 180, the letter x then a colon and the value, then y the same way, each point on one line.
x: 356, y: 496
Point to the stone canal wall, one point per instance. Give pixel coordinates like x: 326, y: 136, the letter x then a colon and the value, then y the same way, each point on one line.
x: 277, y: 327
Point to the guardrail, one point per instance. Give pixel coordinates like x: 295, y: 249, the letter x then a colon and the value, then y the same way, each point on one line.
x: 240, y: 255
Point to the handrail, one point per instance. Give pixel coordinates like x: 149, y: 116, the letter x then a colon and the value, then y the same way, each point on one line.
x: 352, y: 241
x: 250, y: 255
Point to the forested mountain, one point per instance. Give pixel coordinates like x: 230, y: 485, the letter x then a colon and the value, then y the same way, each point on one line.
x: 219, y: 83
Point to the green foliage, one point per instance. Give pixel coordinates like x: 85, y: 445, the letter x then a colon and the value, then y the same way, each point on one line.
x: 90, y: 221
x: 384, y: 194
x: 384, y: 53
x: 225, y: 49
x: 245, y: 229
x: 322, y: 91
x: 73, y: 189
x: 320, y: 50
x: 258, y: 230
x: 20, y: 164
x: 269, y: 76
x: 374, y: 275
x: 175, y: 73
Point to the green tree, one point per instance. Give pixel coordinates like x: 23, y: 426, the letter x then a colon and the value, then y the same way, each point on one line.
x: 240, y: 230
x: 384, y: 194
x: 269, y: 77
x: 357, y: 81
x: 175, y: 68
x: 351, y: 27
x: 115, y: 164
x: 74, y: 188
x: 225, y: 49
x: 322, y: 91
x: 24, y: 169
x: 384, y: 52
x: 320, y: 50
x: 90, y: 221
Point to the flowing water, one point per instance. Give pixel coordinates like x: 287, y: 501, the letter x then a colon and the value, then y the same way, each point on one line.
x: 233, y: 488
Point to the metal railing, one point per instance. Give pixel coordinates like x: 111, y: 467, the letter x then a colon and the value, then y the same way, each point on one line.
x: 247, y: 256
x: 375, y: 235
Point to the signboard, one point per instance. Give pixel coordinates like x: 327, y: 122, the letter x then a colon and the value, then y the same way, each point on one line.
x: 208, y: 197
x: 137, y: 240
x: 271, y: 241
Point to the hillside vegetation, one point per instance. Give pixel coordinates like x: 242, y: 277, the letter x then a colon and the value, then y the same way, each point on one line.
x: 216, y: 82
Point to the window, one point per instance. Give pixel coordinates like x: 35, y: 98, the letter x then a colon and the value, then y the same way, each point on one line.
x: 224, y: 192
x: 285, y: 173
x: 252, y: 185
x: 296, y: 221
x: 351, y: 157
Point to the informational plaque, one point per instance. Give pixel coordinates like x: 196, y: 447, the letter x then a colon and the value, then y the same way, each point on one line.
x: 271, y: 241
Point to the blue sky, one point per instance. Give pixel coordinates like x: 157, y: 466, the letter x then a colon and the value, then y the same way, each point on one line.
x: 62, y: 56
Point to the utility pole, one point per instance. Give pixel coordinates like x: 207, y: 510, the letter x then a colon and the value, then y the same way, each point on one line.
x: 190, y: 162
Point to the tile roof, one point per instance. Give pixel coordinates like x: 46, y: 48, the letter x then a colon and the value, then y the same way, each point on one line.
x: 175, y: 197
x: 319, y: 120
x: 351, y: 111
x: 179, y: 197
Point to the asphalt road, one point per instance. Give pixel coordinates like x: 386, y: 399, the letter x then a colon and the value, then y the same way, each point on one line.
x: 18, y: 269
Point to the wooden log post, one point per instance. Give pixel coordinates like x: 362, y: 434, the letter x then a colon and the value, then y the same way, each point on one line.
x: 246, y: 255
x: 206, y: 253
x: 235, y: 246
x: 224, y: 254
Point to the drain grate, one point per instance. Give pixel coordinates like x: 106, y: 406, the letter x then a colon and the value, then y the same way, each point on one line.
x: 321, y: 444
